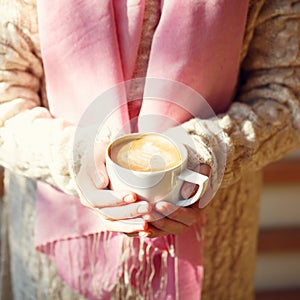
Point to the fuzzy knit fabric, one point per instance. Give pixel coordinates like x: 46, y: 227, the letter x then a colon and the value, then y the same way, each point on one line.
x: 261, y: 125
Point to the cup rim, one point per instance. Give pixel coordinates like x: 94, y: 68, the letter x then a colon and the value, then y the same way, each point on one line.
x: 182, y: 149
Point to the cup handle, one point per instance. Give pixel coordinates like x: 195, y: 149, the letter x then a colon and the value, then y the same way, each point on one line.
x: 196, y: 178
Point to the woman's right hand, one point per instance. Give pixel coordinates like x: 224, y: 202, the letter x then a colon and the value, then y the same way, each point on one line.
x: 119, y: 211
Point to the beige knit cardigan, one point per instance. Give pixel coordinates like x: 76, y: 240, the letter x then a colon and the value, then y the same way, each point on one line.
x: 261, y: 125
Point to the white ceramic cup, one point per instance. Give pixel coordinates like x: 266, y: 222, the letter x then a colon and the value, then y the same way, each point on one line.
x: 155, y: 186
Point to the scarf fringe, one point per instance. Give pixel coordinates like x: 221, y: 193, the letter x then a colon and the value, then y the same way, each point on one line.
x: 143, y: 270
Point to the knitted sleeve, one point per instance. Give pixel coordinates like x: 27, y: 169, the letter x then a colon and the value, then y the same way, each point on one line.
x: 32, y: 143
x: 263, y: 123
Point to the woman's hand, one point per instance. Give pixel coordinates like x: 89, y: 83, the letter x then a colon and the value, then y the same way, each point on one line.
x: 171, y: 219
x: 119, y: 211
x: 167, y: 218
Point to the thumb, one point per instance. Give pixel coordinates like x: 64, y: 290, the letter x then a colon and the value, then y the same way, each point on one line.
x: 189, y: 189
x: 97, y: 171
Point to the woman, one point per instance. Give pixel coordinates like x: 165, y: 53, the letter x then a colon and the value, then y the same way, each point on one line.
x: 260, y: 125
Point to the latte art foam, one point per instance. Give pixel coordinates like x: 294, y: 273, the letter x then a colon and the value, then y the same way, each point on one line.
x: 146, y: 153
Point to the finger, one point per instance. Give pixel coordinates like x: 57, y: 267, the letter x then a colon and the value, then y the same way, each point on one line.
x: 97, y: 170
x: 125, y: 226
x: 188, y: 189
x: 92, y: 197
x: 152, y: 232
x: 170, y: 226
x: 150, y: 217
x: 99, y: 176
x: 132, y: 234
x: 126, y: 211
x: 204, y: 169
x: 108, y: 198
x: 185, y: 215
x: 163, y: 222
x: 206, y: 197
x: 101, y: 198
x: 93, y: 165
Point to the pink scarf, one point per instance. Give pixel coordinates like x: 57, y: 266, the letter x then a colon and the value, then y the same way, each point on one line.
x: 88, y: 47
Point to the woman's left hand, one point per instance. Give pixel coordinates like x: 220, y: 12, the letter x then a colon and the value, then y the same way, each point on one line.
x: 167, y: 218
x: 171, y: 219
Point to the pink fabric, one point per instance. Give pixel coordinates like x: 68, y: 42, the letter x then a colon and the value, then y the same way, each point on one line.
x: 90, y: 46
x: 197, y: 44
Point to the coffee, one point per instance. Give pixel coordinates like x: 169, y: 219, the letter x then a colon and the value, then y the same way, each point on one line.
x: 145, y: 153
x: 161, y: 165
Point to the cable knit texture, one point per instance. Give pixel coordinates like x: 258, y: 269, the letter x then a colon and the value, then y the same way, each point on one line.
x: 22, y: 119
x: 264, y: 121
x: 261, y: 126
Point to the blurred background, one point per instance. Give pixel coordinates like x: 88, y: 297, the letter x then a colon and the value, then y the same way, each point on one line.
x: 278, y: 261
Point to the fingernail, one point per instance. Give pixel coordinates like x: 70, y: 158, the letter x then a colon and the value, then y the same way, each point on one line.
x: 187, y: 190
x: 146, y: 217
x: 129, y: 198
x: 143, y: 208
x: 160, y: 206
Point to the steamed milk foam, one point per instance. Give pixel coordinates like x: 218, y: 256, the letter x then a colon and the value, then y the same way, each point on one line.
x: 146, y: 153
